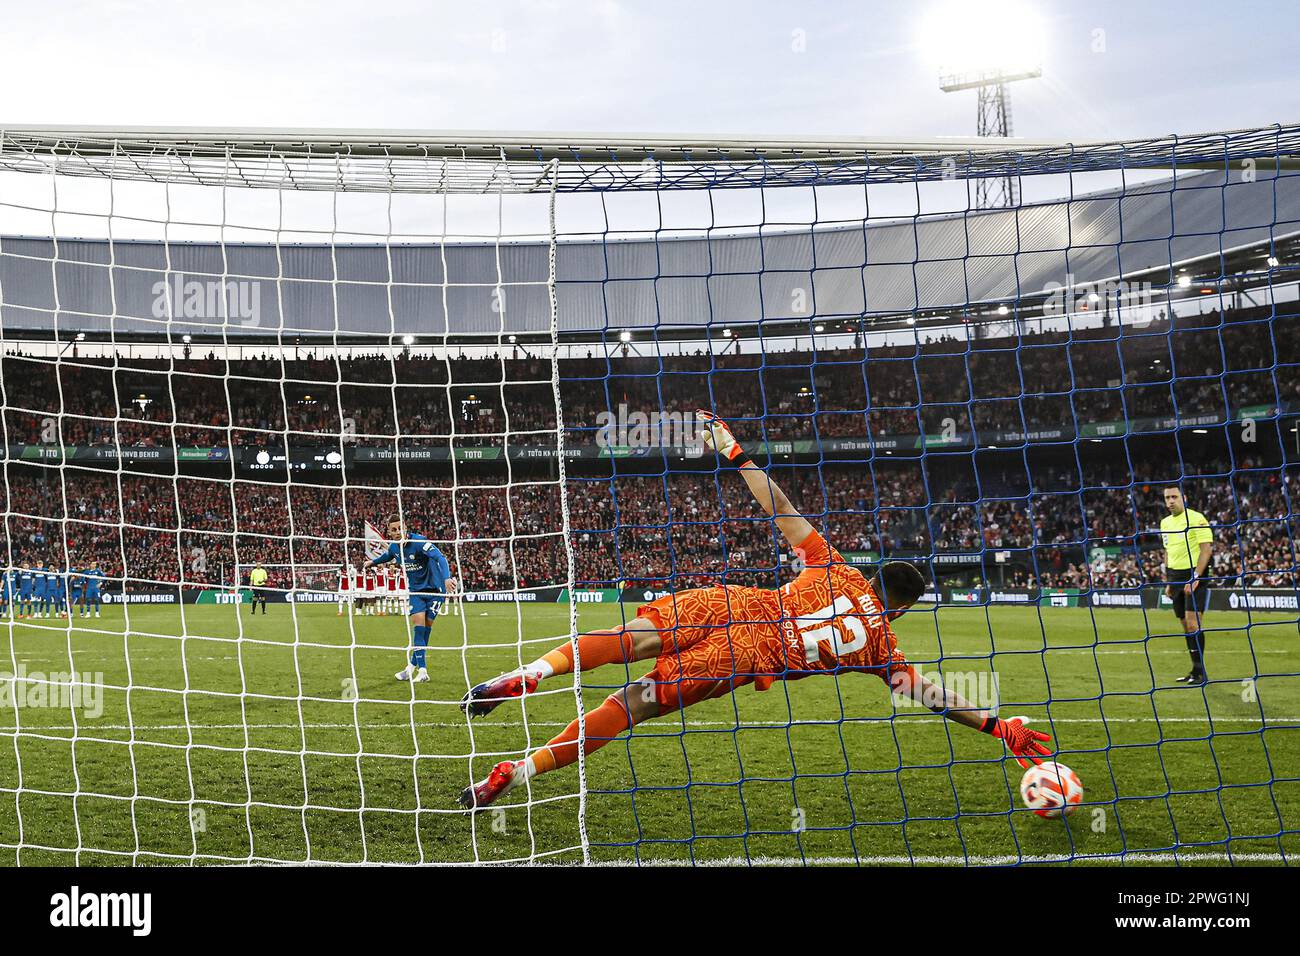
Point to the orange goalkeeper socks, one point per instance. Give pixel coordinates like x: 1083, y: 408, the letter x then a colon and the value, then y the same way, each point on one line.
x: 603, y: 724
x: 596, y: 649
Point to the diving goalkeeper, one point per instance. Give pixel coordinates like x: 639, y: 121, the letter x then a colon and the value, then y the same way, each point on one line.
x: 708, y: 642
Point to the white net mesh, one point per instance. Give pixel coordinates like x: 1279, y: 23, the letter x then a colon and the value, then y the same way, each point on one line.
x: 183, y: 416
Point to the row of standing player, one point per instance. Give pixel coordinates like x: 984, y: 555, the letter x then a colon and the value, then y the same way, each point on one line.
x: 47, y: 591
x: 374, y: 590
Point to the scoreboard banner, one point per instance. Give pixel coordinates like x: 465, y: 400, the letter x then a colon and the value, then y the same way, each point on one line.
x: 274, y: 458
x: 1149, y: 597
x: 217, y: 596
x: 1256, y: 599
x: 111, y: 453
x: 154, y: 595
x: 245, y: 596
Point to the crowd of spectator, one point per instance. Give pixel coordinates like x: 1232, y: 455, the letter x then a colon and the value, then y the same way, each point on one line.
x: 684, y: 528
x: 1206, y: 367
x: 504, y: 529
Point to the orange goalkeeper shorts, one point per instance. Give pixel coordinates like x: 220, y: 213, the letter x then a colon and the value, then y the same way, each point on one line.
x: 714, y: 641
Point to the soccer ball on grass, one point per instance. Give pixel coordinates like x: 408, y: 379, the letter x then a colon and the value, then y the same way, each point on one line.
x: 1051, y: 790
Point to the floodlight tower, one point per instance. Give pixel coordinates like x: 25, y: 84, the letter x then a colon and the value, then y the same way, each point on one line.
x: 994, y: 119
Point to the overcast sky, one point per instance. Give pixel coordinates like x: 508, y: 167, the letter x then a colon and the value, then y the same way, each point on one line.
x: 850, y: 68
x: 1112, y: 69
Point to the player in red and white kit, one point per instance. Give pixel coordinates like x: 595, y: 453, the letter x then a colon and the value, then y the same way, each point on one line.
x: 366, y: 591
x: 400, y: 590
x: 347, y: 587
x: 708, y: 642
x: 391, y: 578
x: 377, y: 590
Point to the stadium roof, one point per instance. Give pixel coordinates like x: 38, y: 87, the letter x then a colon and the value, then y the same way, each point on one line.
x: 674, y: 284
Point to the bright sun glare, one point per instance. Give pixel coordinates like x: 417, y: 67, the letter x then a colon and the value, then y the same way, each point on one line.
x: 966, y: 37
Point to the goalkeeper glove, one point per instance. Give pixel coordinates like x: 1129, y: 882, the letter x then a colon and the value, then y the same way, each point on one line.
x: 1025, y: 744
x: 718, y: 437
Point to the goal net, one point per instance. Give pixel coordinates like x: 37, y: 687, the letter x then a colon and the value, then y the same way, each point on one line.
x: 312, y: 578
x: 225, y: 349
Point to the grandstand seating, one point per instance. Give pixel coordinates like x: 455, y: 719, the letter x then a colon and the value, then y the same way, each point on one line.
x: 1206, y: 368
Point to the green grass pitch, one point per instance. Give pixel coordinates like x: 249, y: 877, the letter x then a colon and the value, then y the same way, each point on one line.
x: 285, y: 737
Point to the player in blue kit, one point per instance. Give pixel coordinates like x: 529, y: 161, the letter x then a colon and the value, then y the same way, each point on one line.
x: 428, y: 577
x: 5, y: 578
x: 90, y: 579
x: 26, y: 585
x: 40, y: 591
x: 75, y: 582
x: 59, y: 592
x: 51, y: 590
x: 11, y: 580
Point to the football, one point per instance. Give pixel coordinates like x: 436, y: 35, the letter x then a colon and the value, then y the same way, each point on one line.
x: 1051, y: 790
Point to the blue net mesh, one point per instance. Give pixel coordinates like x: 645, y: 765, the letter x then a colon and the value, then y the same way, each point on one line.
x: 1001, y: 397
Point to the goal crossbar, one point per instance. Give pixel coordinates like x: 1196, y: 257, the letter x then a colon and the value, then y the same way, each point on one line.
x: 475, y: 162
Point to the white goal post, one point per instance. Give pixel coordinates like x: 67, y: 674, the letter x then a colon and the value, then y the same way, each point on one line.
x: 228, y: 346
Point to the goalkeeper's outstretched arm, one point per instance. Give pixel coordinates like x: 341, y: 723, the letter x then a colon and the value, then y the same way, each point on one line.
x: 766, y: 491
x: 1027, y: 745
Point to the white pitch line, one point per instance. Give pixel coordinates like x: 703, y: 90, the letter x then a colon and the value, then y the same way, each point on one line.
x: 954, y: 659
x: 1227, y: 652
x: 1131, y: 857
x: 880, y: 723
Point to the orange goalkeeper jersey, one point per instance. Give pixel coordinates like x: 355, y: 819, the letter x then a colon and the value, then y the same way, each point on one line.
x: 720, y: 638
x: 830, y: 618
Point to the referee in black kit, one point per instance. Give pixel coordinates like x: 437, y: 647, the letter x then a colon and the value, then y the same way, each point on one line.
x: 1188, y: 542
